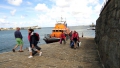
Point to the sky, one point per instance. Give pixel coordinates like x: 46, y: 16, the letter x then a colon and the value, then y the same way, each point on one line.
x: 45, y: 13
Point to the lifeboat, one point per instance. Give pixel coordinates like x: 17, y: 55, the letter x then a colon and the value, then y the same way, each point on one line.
x: 56, y: 32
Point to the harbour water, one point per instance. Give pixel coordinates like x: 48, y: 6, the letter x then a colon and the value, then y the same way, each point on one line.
x: 7, y: 40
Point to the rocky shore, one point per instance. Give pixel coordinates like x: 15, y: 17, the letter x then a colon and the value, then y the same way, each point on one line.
x: 55, y: 55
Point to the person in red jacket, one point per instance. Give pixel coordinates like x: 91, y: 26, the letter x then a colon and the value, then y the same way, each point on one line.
x: 75, y: 38
x: 62, y: 38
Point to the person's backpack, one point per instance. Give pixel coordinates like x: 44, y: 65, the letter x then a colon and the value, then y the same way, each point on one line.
x: 37, y: 37
x: 72, y: 44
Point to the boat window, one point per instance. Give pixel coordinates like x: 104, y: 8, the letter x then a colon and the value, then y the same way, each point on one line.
x: 60, y: 30
x: 53, y: 30
x: 56, y: 30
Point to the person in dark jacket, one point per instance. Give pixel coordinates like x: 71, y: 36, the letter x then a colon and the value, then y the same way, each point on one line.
x: 18, y: 37
x: 70, y: 35
x: 33, y: 43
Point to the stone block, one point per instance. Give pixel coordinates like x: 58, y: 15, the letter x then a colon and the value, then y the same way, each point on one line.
x: 119, y: 4
x: 114, y: 13
x: 116, y: 5
x: 119, y: 21
x: 118, y: 14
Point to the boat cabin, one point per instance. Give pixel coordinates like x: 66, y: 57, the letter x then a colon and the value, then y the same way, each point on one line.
x: 59, y: 27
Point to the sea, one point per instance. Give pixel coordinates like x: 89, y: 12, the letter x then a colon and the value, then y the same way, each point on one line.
x: 7, y: 39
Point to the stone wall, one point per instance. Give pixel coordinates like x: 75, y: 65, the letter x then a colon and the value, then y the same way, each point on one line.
x: 108, y: 34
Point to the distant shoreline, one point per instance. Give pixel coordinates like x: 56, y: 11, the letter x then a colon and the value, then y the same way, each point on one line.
x: 15, y: 29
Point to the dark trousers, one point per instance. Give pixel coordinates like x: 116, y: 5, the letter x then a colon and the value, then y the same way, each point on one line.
x: 35, y: 46
x: 62, y: 40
